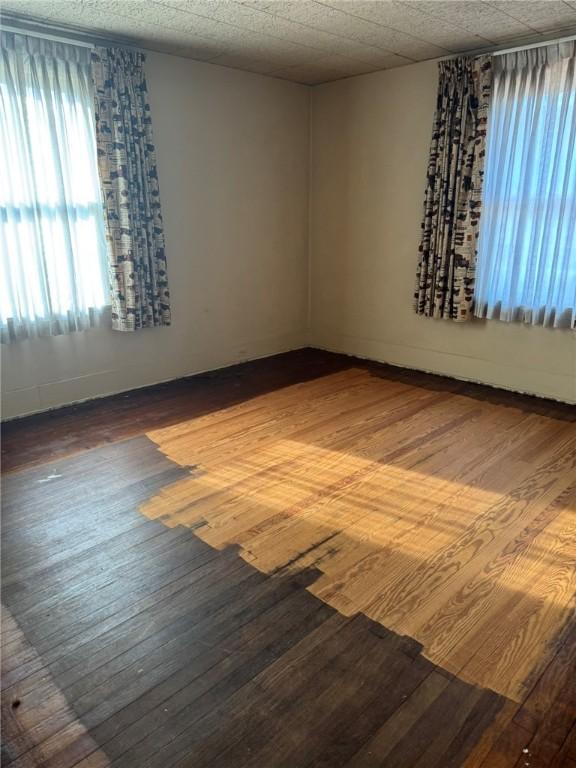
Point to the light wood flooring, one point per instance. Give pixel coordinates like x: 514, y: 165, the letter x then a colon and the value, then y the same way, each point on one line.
x: 442, y: 518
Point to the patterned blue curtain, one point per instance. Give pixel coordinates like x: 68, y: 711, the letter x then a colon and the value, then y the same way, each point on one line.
x: 453, y: 200
x: 129, y: 181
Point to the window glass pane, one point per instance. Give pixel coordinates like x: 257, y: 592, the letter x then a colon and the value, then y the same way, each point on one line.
x: 53, y: 265
x: 527, y: 248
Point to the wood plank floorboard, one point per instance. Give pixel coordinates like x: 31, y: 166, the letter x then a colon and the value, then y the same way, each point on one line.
x: 308, y: 561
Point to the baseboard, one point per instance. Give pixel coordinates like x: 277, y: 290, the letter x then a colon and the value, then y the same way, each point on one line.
x: 20, y: 403
x: 326, y: 347
x: 552, y: 389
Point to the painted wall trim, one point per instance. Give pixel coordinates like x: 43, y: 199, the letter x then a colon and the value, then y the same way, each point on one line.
x: 14, y: 402
x: 379, y: 352
x: 326, y: 348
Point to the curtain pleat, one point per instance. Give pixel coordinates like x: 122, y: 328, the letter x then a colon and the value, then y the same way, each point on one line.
x: 527, y: 248
x: 452, y: 205
x: 53, y: 266
x: 129, y: 178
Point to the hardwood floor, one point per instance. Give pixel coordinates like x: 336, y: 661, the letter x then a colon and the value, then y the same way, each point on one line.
x: 59, y: 433
x: 304, y: 561
x: 438, y: 517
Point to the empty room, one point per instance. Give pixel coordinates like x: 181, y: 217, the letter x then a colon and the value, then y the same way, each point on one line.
x: 288, y: 314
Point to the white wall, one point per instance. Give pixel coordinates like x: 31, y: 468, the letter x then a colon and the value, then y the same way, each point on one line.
x: 370, y: 139
x: 233, y: 166
x: 233, y: 152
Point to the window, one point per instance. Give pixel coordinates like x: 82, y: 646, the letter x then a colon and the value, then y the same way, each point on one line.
x: 527, y: 249
x: 53, y: 266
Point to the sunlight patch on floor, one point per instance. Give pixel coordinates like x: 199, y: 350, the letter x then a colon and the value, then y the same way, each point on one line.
x: 426, y: 513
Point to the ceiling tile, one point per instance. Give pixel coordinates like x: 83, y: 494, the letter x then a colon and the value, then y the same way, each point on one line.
x: 41, y: 9
x: 403, y: 17
x: 542, y: 15
x: 267, y: 30
x: 260, y: 5
x: 308, y: 75
x: 244, y: 61
x: 325, y: 17
x: 307, y: 40
x: 475, y: 16
x: 346, y: 65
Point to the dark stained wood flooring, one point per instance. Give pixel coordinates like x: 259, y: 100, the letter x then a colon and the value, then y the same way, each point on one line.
x: 130, y: 643
x: 54, y: 434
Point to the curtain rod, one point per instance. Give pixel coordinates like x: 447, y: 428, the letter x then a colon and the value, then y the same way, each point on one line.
x: 61, y: 35
x: 45, y: 36
x: 541, y: 44
x: 503, y: 51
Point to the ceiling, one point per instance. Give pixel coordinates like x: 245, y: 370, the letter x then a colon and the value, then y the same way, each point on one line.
x: 308, y: 41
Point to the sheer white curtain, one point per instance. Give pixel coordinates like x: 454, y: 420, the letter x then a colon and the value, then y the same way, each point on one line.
x: 53, y: 266
x: 526, y: 266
